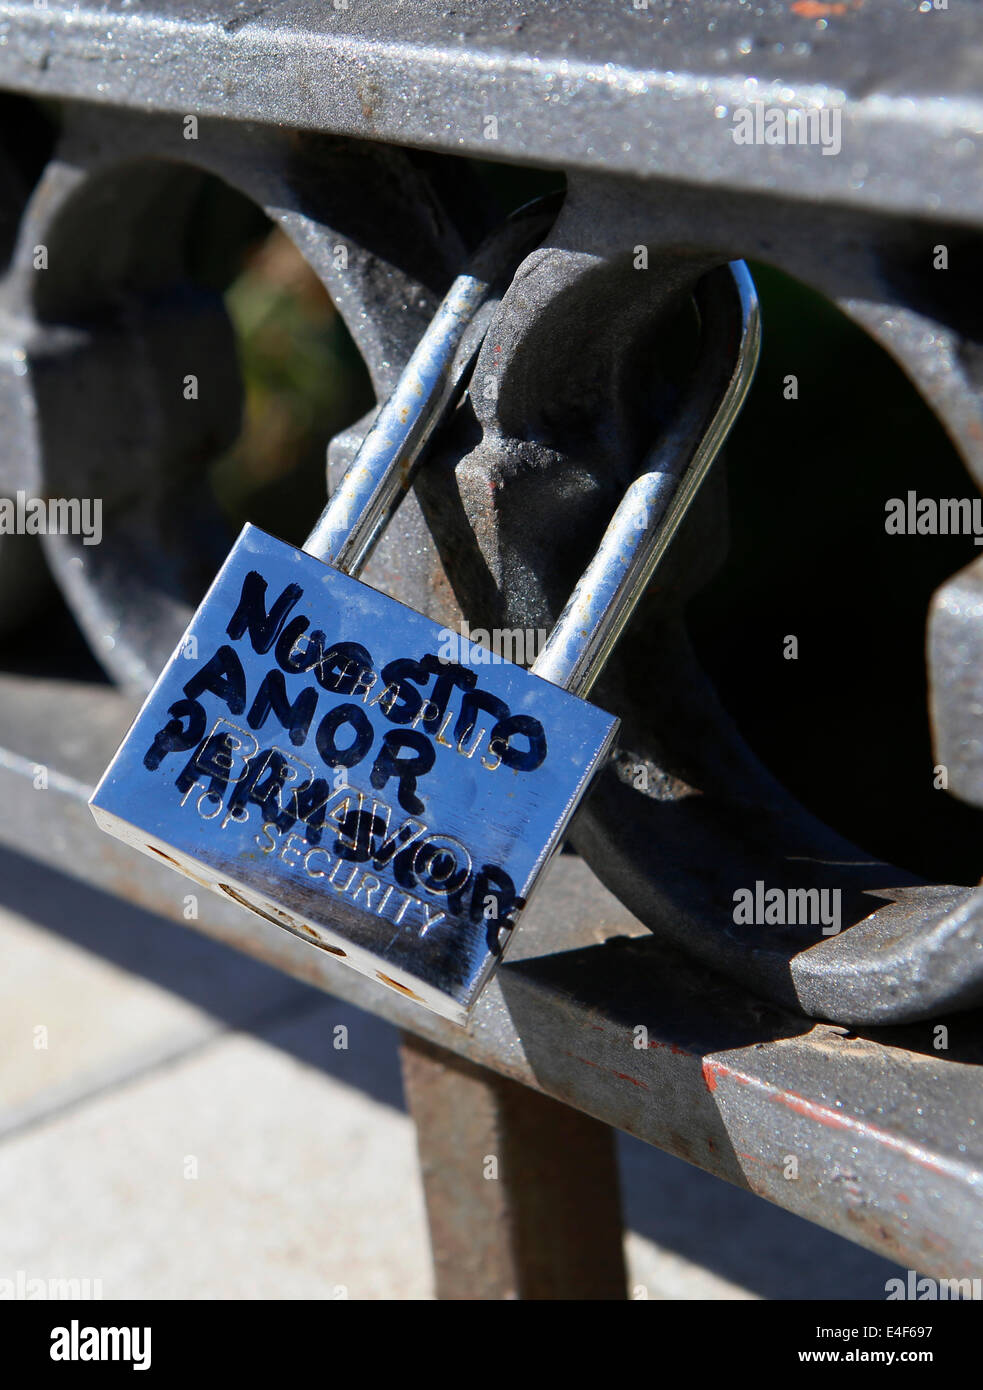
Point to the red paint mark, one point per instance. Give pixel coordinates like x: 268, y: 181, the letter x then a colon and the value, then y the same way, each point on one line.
x: 832, y: 1119
x: 574, y: 1058
x: 676, y: 1051
x: 713, y: 1071
x: 622, y: 1076
x: 903, y: 1197
x: 814, y: 1111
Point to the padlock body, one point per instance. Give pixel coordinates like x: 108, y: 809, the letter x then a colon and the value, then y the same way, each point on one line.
x: 353, y: 772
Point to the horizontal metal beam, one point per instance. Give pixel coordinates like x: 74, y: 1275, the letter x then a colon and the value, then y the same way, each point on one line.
x: 877, y: 1139
x: 642, y: 87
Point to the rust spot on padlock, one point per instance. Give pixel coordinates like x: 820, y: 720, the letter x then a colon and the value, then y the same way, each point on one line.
x: 244, y: 902
x: 182, y: 868
x: 309, y: 931
x: 281, y: 919
x: 394, y: 984
x: 166, y: 857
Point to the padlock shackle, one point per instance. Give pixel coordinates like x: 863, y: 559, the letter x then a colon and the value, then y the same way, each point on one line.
x: 376, y: 480
x: 380, y: 475
x: 652, y: 510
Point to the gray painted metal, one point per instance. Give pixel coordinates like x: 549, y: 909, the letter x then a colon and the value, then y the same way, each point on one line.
x: 644, y: 92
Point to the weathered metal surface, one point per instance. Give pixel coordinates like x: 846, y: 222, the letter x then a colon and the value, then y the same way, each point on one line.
x: 886, y: 1133
x: 96, y: 348
x: 640, y: 91
x: 521, y: 1191
x: 956, y: 667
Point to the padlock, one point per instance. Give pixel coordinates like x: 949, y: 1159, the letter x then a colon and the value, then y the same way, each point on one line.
x: 360, y: 776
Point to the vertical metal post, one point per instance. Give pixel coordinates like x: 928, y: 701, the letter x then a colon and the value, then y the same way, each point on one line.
x: 521, y: 1191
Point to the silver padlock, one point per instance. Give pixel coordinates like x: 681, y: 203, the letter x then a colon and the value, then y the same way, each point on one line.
x: 360, y: 776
